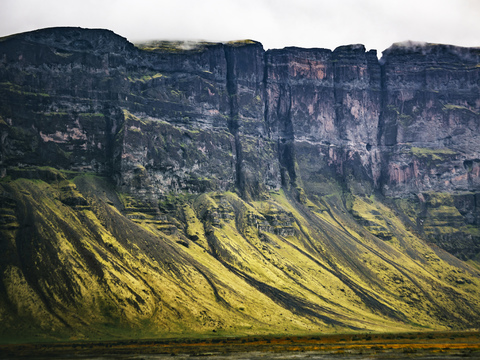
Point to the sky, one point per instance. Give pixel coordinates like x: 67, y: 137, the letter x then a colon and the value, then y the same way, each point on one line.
x: 275, y: 23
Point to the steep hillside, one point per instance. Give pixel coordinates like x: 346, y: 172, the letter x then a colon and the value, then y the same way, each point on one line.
x: 178, y: 189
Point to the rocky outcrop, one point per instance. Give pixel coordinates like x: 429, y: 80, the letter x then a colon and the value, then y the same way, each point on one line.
x: 325, y: 106
x: 430, y: 118
x: 116, y: 109
x: 178, y: 117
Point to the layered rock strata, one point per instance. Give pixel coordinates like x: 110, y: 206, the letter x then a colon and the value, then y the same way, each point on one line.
x: 173, y: 117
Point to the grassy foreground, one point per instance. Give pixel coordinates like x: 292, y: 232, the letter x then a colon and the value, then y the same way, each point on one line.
x: 465, y: 344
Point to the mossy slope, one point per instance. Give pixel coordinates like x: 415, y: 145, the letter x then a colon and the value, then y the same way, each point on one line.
x: 76, y: 264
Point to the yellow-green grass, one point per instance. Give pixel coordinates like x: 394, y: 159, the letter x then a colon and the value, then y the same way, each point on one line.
x: 83, y: 272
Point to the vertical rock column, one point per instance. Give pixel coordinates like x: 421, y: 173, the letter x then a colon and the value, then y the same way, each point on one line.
x: 299, y: 108
x: 431, y: 119
x: 257, y: 170
x: 357, y: 89
x: 323, y: 108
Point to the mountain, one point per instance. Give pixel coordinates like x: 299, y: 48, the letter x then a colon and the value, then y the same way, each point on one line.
x: 192, y: 189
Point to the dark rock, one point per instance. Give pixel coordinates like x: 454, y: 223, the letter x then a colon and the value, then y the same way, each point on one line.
x: 163, y: 118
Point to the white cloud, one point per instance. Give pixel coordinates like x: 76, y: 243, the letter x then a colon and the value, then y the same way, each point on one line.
x: 275, y: 23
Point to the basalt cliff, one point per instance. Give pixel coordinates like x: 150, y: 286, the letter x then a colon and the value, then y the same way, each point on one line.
x: 180, y: 189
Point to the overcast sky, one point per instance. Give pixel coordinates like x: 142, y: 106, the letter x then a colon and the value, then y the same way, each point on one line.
x: 275, y: 23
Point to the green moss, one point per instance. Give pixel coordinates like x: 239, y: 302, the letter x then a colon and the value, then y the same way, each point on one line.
x: 405, y: 120
x: 442, y: 219
x: 128, y: 116
x: 63, y: 54
x: 11, y: 86
x: 174, y: 46
x: 203, y: 204
x: 2, y: 122
x: 394, y: 109
x: 368, y: 213
x: 449, y: 107
x: 132, y: 279
x: 15, y: 88
x: 145, y: 78
x: 56, y: 113
x: 194, y: 228
x: 136, y: 130
x: 437, y: 199
x: 244, y: 42
x: 473, y: 230
x: 409, y: 208
x: 91, y: 115
x: 176, y: 93
x: 303, y: 198
x: 433, y: 154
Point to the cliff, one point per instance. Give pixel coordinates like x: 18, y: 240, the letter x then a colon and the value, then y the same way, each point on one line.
x: 346, y: 103
x: 253, y: 184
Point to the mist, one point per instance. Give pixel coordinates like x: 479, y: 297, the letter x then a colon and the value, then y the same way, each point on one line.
x: 276, y: 24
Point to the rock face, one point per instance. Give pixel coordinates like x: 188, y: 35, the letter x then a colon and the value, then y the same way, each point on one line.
x: 431, y: 118
x: 304, y: 137
x: 429, y: 130
x: 408, y: 123
x: 325, y: 106
x: 172, y: 117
